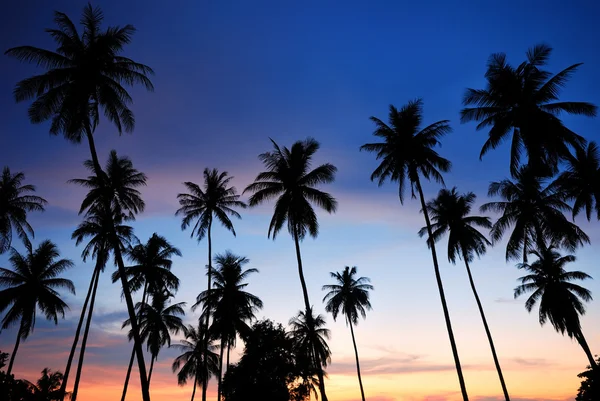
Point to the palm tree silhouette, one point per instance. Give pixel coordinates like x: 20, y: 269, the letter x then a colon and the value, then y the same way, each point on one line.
x: 289, y: 178
x: 524, y: 102
x: 407, y: 153
x: 560, y: 301
x: 152, y: 272
x: 121, y: 181
x: 580, y: 182
x: 157, y: 321
x: 310, y: 345
x: 33, y: 283
x: 217, y: 199
x: 191, y: 363
x: 232, y: 307
x: 450, y: 213
x: 15, y: 202
x: 350, y: 296
x: 85, y: 75
x: 536, y: 212
x: 47, y: 387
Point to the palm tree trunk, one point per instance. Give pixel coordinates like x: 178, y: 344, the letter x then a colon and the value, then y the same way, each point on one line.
x: 220, y: 372
x: 86, y: 331
x: 194, y: 390
x: 584, y: 345
x: 228, y: 350
x: 130, y: 366
x: 438, y: 278
x: 63, y: 386
x: 309, y: 315
x: 14, y: 353
x: 152, y: 359
x: 487, y: 329
x: 206, y: 325
x: 362, y: 392
x: 121, y: 267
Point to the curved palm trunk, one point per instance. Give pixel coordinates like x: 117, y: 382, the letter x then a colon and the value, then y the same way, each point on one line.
x: 228, y: 350
x: 152, y: 359
x: 130, y: 366
x: 318, y: 364
x: 438, y: 278
x: 584, y: 345
x: 220, y: 371
x: 487, y: 330
x: 12, y: 357
x: 194, y: 390
x: 121, y: 266
x: 206, y: 324
x: 86, y: 331
x: 362, y: 391
x: 63, y: 387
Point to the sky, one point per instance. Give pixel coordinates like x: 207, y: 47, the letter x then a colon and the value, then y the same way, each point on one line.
x: 232, y: 74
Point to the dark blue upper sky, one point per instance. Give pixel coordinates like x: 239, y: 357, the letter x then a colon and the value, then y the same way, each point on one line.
x: 230, y: 74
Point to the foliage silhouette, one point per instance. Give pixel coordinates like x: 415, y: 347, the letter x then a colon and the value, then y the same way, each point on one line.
x: 450, y: 213
x: 350, y: 296
x: 589, y: 390
x: 15, y: 202
x: 289, y: 178
x: 33, y: 283
x: 526, y: 100
x: 407, y: 153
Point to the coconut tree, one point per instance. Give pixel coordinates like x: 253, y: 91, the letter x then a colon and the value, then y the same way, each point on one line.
x: 158, y: 320
x: 580, y: 182
x: 191, y: 363
x: 523, y: 102
x: 85, y: 76
x: 33, y: 283
x: 450, y: 214
x: 152, y: 272
x: 16, y: 200
x: 350, y: 296
x: 535, y: 210
x: 560, y: 300
x: 47, y: 387
x: 200, y: 206
x: 120, y: 187
x: 232, y: 307
x: 289, y: 178
x: 407, y: 154
x: 310, y: 343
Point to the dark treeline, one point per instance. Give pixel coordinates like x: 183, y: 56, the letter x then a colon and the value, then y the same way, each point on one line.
x: 554, y: 182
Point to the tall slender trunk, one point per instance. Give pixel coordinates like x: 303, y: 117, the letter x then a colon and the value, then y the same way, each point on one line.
x: 86, y: 330
x: 362, y: 391
x: 63, y: 386
x: 207, y: 323
x: 584, y: 345
x: 438, y: 278
x: 228, y: 350
x: 152, y: 359
x: 487, y: 329
x: 130, y: 366
x: 121, y: 267
x: 319, y: 366
x: 14, y: 353
x: 220, y: 371
x: 194, y: 390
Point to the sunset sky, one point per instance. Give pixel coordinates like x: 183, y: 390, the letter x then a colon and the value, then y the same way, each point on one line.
x: 231, y: 74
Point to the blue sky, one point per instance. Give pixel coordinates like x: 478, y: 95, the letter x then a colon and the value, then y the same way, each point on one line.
x: 231, y: 74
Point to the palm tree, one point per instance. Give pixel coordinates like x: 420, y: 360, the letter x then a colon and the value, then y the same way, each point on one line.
x: 157, y: 321
x: 407, y: 153
x: 15, y: 201
x: 310, y: 335
x: 524, y: 102
x: 232, y: 307
x: 152, y: 272
x: 580, y: 181
x: 122, y: 181
x: 85, y: 75
x: 349, y: 295
x: 560, y: 300
x: 201, y: 206
x: 191, y: 363
x: 33, y: 283
x: 47, y: 387
x: 536, y: 212
x: 289, y: 178
x: 450, y: 213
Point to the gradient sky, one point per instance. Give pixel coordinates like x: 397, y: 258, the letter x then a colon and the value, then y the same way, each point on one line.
x: 230, y: 74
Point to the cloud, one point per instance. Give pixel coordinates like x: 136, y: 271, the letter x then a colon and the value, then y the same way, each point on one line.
x: 532, y: 362
x: 503, y: 300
